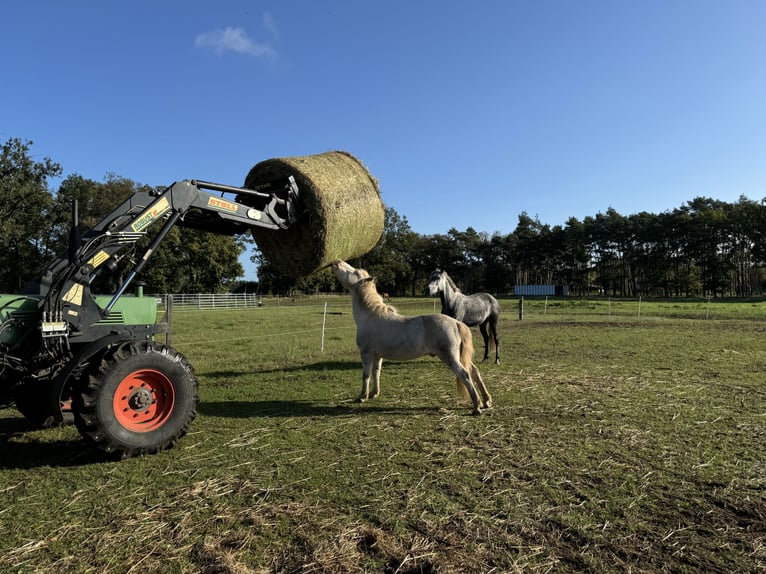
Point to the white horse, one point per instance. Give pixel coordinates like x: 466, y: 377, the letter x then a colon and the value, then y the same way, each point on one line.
x: 381, y: 333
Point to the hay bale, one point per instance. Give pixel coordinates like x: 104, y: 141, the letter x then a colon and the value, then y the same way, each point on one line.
x: 343, y: 216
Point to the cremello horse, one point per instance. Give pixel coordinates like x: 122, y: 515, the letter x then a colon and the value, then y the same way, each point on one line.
x: 381, y: 333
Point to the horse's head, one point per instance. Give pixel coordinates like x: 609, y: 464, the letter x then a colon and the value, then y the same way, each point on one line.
x: 436, y: 283
x: 362, y: 288
x: 349, y: 276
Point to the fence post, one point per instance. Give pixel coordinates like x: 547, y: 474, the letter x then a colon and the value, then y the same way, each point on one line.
x: 168, y: 320
x: 324, y: 320
x: 521, y: 308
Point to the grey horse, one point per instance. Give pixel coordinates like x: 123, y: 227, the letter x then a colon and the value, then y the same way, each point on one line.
x: 480, y: 309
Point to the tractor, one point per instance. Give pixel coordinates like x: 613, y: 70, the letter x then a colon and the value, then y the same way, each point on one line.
x: 100, y: 361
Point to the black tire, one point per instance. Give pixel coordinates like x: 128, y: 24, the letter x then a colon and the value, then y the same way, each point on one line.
x: 32, y: 401
x: 140, y: 399
x: 7, y: 387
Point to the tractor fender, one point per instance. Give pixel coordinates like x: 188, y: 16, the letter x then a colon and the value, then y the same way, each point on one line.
x: 83, y: 354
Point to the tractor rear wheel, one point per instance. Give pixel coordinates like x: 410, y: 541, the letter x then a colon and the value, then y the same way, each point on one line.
x: 140, y: 399
x: 32, y: 401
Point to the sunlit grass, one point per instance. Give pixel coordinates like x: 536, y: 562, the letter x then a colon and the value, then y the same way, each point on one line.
x: 618, y: 442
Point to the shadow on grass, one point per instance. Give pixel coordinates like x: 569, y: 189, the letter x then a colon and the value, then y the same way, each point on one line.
x: 20, y: 449
x: 323, y: 366
x: 247, y: 409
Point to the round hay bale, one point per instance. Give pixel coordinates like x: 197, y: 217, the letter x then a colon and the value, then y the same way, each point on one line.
x: 343, y: 212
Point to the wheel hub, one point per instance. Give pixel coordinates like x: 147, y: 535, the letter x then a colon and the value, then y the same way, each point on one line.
x: 144, y: 400
x: 140, y: 400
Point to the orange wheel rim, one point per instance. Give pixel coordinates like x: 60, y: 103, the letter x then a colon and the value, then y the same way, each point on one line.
x: 143, y: 401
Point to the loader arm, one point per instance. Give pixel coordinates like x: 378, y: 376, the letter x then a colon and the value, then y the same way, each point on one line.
x: 67, y: 305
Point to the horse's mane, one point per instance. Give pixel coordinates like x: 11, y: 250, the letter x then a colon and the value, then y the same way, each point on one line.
x: 371, y: 300
x: 449, y: 280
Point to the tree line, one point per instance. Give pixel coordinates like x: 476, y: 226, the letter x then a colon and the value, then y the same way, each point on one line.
x: 705, y: 247
x: 35, y: 222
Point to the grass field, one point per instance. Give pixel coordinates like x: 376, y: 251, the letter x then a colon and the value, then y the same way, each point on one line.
x: 619, y: 441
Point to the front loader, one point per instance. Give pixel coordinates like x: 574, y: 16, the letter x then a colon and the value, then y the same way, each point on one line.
x: 67, y: 355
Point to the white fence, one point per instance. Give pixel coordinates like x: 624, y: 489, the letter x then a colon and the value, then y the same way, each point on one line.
x: 190, y: 301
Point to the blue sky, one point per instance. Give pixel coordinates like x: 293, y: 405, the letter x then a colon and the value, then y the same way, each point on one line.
x: 467, y: 113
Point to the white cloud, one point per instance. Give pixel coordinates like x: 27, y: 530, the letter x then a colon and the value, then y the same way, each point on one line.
x: 270, y: 25
x: 233, y: 40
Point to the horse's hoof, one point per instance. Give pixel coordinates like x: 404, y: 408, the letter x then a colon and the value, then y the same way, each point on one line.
x: 487, y: 405
x: 476, y: 412
x: 360, y: 399
x: 497, y: 361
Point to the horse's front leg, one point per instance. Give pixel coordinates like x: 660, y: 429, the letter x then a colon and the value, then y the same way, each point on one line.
x: 367, y: 363
x: 376, y: 366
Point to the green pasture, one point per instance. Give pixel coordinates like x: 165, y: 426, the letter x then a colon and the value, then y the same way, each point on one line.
x: 619, y: 441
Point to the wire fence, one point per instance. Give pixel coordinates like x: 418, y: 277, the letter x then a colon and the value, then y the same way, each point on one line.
x: 517, y: 308
x: 323, y: 318
x: 607, y: 308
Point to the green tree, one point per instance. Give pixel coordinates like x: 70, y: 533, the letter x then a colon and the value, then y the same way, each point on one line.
x: 707, y: 232
x: 393, y: 259
x: 532, y: 256
x: 498, y: 263
x: 94, y: 200
x: 194, y: 261
x: 441, y: 252
x: 25, y: 202
x: 607, y: 239
x: 576, y: 258
x: 187, y: 260
x: 746, y: 222
x: 470, y: 272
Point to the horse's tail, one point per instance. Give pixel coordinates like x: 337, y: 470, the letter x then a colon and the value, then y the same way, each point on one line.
x: 466, y: 357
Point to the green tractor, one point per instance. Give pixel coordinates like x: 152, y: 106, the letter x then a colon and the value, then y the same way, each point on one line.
x: 105, y: 363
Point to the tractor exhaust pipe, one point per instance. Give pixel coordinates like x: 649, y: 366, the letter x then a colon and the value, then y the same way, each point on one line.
x: 75, y: 239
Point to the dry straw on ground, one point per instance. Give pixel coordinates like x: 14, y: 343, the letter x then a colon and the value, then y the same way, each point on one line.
x: 343, y: 218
